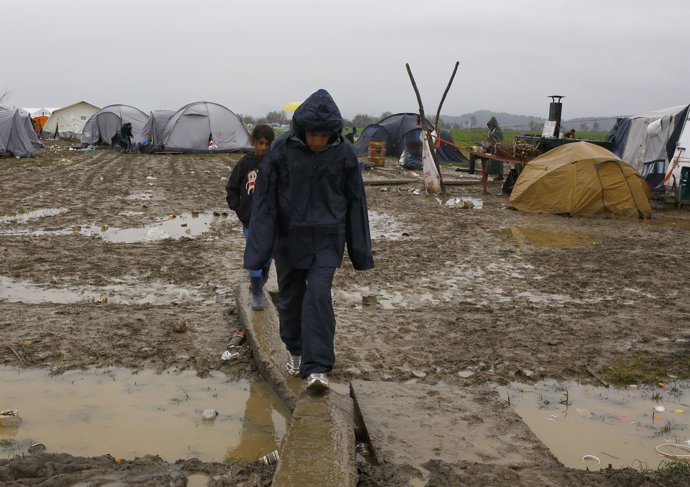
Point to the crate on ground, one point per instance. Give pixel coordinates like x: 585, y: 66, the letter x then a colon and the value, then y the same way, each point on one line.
x: 377, y: 153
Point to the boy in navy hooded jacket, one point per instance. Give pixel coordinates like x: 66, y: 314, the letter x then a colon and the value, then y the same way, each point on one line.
x: 309, y: 204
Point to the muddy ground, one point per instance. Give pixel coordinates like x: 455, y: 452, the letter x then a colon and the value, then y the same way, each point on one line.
x: 462, y: 296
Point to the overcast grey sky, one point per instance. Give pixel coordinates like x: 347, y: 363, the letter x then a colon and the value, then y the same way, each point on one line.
x: 608, y: 57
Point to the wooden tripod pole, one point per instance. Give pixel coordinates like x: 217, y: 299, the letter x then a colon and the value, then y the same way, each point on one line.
x: 438, y: 112
x: 424, y: 128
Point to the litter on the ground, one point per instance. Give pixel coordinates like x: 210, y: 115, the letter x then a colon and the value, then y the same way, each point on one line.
x: 591, y: 458
x: 37, y: 448
x: 271, y: 458
x: 228, y: 355
x: 465, y: 203
x: 10, y: 418
x: 209, y: 414
x: 666, y: 450
x: 237, y: 338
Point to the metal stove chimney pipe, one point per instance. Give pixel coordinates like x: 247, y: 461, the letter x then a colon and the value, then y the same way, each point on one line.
x: 555, y: 113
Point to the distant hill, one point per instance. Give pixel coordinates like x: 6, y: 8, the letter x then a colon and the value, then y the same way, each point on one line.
x: 479, y: 119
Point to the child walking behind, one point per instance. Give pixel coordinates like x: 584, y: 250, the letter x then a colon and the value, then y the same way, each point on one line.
x: 239, y: 192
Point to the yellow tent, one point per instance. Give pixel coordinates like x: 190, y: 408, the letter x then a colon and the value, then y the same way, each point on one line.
x: 581, y: 179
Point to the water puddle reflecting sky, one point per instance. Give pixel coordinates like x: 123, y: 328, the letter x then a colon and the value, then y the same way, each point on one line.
x: 25, y: 216
x: 129, y: 414
x: 188, y: 224
x: 621, y: 427
x: 526, y: 237
x: 128, y: 291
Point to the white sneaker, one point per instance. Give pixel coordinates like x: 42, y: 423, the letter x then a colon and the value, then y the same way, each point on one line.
x: 317, y: 383
x: 293, y: 363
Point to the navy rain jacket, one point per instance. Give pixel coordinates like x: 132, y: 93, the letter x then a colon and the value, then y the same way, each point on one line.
x: 307, y: 206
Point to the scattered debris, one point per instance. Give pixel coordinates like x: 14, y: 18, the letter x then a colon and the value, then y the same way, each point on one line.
x: 228, y: 355
x: 15, y: 353
x: 271, y: 458
x: 209, y: 414
x: 9, y: 418
x: 37, y: 448
x: 465, y: 203
x: 597, y: 377
x: 237, y: 338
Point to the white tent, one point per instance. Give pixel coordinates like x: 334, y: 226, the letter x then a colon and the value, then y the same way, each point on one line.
x: 651, y: 137
x: 68, y: 122
x: 39, y: 112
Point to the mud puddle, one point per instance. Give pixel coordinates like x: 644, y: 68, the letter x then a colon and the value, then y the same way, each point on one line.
x: 386, y: 226
x: 144, y: 196
x: 462, y: 282
x: 129, y: 414
x: 128, y: 291
x: 370, y: 297
x: 197, y: 480
x: 189, y: 224
x: 588, y: 426
x: 526, y: 237
x: 25, y: 216
x: 669, y: 222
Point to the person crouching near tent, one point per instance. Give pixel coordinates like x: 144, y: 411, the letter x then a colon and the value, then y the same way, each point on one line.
x: 308, y: 205
x: 239, y: 191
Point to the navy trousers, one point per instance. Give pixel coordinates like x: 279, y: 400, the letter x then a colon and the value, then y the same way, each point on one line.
x: 307, y: 321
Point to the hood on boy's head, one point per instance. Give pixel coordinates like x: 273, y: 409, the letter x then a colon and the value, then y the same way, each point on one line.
x: 318, y: 113
x: 492, y: 123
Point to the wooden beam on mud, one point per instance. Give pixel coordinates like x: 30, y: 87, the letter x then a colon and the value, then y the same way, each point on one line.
x: 319, y: 446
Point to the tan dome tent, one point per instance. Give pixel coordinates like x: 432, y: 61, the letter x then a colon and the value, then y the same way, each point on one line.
x: 581, y: 179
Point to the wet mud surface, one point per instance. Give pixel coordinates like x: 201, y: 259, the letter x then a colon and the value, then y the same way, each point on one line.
x: 459, y: 296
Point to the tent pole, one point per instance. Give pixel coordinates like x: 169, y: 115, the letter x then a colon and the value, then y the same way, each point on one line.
x: 424, y: 129
x: 443, y: 98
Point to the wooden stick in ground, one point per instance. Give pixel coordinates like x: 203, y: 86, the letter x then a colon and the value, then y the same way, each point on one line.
x: 596, y: 376
x: 15, y: 353
x: 443, y: 98
x: 424, y: 128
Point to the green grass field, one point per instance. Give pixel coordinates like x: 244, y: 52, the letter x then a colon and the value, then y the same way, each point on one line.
x: 469, y: 137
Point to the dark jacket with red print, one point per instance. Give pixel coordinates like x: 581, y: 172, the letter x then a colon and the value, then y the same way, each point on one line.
x: 240, y: 187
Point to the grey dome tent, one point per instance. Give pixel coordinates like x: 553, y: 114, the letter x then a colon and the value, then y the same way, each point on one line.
x: 394, y: 130
x: 17, y: 135
x: 104, y: 124
x: 205, y: 126
x: 153, y: 130
x: 448, y: 152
